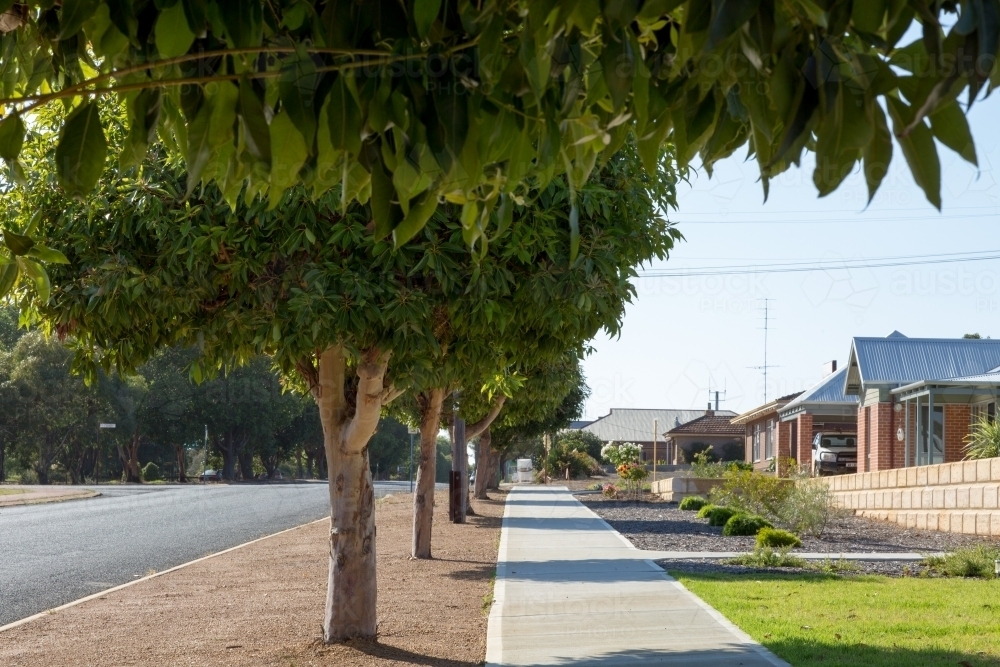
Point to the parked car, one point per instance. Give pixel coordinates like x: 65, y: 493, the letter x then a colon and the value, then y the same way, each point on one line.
x: 835, y: 453
x: 211, y: 476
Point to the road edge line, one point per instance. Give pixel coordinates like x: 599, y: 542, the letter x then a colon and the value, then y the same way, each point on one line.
x: 113, y: 589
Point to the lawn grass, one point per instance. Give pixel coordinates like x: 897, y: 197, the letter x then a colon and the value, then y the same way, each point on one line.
x: 8, y: 492
x: 827, y: 621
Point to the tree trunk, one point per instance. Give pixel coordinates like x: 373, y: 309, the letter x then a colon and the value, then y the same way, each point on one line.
x: 181, y: 454
x: 129, y: 455
x: 484, y: 467
x: 423, y: 494
x: 496, y: 464
x: 227, y: 448
x: 3, y: 460
x: 245, y: 459
x: 351, y: 587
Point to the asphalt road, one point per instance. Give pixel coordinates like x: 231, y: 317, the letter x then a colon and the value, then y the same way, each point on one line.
x: 58, y: 552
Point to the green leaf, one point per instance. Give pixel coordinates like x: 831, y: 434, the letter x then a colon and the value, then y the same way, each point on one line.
x: 919, y: 150
x: 618, y: 66
x: 255, y: 130
x: 574, y: 231
x: 878, y: 153
x: 420, y: 212
x: 74, y: 14
x: 424, y: 13
x: 868, y: 15
x: 81, y: 151
x: 17, y: 244
x: 243, y: 21
x: 385, y: 211
x: 8, y: 278
x: 173, y: 34
x: 11, y: 136
x: 951, y: 128
x: 288, y: 154
x: 728, y: 16
x: 46, y: 254
x: 37, y: 274
x: 344, y: 118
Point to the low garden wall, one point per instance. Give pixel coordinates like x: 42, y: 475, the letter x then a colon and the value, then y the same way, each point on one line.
x: 962, y: 497
x: 676, y: 489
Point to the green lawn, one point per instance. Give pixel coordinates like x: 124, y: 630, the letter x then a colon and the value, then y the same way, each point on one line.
x: 829, y: 621
x: 7, y: 492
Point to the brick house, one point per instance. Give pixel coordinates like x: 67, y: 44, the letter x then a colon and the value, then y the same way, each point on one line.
x: 918, y: 397
x: 713, y: 429
x: 824, y: 407
x: 636, y: 425
x: 764, y: 436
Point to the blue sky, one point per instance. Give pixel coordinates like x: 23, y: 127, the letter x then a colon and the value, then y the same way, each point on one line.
x: 682, y: 336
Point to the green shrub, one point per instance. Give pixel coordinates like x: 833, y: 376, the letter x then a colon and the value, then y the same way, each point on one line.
x: 775, y: 537
x: 802, y: 506
x: 975, y: 561
x: 705, y: 510
x: 767, y: 557
x: 983, y: 440
x: 151, y: 472
x: 745, y: 524
x: 563, y: 456
x: 720, y: 515
x: 693, y: 503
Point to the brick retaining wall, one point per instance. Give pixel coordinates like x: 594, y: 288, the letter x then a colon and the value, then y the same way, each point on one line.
x: 961, y: 497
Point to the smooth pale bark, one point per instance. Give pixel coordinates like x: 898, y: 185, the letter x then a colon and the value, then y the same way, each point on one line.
x: 347, y: 428
x: 129, y: 456
x: 479, y: 429
x: 484, y: 472
x: 423, y: 496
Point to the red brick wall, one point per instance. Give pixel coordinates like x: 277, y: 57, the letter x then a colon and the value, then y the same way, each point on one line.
x: 885, y: 451
x: 784, y: 437
x: 956, y: 427
x: 805, y: 439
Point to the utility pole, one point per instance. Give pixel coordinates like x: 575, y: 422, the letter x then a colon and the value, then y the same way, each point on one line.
x: 655, y: 429
x: 459, y: 473
x: 204, y: 465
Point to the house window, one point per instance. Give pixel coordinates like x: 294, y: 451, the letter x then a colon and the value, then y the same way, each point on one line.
x: 756, y: 442
x: 769, y: 440
x: 982, y: 411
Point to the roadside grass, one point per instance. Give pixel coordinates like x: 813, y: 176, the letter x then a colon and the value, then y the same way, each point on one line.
x: 10, y: 492
x: 814, y: 620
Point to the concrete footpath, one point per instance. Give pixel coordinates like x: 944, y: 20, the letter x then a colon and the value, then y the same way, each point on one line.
x: 571, y: 591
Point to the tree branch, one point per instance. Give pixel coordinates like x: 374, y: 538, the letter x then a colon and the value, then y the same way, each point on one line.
x: 368, y: 408
x: 476, y: 429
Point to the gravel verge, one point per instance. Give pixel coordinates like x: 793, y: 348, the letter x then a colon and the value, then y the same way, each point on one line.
x: 262, y: 605
x: 660, y: 526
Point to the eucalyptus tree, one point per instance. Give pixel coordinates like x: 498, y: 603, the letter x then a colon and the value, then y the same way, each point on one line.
x: 410, y: 104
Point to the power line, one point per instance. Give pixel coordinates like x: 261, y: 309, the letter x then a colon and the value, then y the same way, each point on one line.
x: 824, y: 265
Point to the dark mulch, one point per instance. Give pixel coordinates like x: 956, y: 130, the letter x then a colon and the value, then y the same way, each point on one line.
x: 661, y: 526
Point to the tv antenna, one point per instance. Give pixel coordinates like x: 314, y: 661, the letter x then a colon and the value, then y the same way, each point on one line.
x: 717, y: 392
x: 766, y: 328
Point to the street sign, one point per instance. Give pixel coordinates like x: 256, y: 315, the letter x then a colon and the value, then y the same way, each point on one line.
x: 412, y: 430
x: 108, y: 426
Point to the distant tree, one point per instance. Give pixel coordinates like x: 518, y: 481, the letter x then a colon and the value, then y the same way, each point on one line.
x: 389, y: 447
x: 972, y: 336
x: 584, y: 441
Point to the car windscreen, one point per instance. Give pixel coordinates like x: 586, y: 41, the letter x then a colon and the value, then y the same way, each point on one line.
x: 839, y: 441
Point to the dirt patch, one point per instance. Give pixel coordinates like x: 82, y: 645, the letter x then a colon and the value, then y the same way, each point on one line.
x: 263, y: 604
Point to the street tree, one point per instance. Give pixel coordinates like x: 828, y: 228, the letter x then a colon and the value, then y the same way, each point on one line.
x: 416, y: 103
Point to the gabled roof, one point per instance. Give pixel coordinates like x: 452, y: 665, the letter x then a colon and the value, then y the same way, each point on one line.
x: 715, y: 424
x: 827, y: 391
x: 895, y: 361
x: 763, y: 410
x: 633, y: 425
x: 576, y: 425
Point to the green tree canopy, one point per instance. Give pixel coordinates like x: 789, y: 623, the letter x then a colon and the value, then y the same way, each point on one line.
x: 411, y: 104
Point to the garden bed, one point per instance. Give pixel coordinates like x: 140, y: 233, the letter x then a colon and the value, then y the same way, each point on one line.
x: 661, y: 526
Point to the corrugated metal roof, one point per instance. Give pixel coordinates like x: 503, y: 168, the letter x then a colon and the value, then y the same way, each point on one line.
x: 828, y: 390
x: 895, y: 361
x: 631, y: 425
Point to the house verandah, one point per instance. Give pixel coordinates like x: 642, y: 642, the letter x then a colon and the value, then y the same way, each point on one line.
x: 919, y: 397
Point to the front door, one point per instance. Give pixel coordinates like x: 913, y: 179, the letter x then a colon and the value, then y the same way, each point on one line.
x: 930, y: 449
